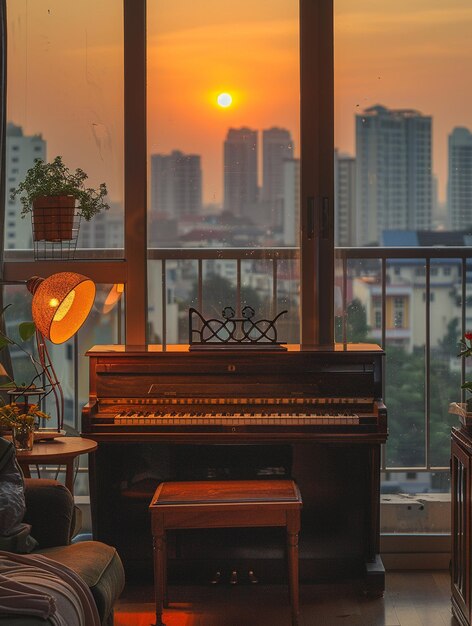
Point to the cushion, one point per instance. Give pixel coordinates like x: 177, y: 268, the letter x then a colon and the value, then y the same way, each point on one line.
x: 14, y: 534
x: 100, y: 567
x: 53, y: 529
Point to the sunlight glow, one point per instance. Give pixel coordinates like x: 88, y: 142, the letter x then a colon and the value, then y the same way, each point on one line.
x: 224, y: 100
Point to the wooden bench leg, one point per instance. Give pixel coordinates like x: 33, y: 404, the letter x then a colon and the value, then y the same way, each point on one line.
x: 159, y: 575
x: 165, y: 597
x: 293, y: 527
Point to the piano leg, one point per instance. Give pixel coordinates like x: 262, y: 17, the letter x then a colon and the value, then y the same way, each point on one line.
x: 374, y: 581
x: 293, y: 528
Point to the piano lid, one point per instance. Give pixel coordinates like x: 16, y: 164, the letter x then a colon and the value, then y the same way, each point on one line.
x: 152, y: 349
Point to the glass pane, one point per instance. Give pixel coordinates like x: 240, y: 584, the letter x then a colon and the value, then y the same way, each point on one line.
x: 446, y: 304
x: 403, y: 178
x: 359, y: 318
x: 405, y: 369
x: 396, y: 123
x: 223, y: 126
x: 65, y: 97
x: 215, y: 288
x: 223, y: 138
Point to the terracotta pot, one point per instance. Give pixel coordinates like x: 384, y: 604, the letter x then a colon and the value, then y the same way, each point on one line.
x: 53, y: 218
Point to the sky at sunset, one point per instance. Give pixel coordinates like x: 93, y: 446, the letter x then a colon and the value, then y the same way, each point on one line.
x: 65, y: 74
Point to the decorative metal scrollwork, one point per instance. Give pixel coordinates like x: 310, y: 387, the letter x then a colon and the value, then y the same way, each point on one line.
x: 233, y: 332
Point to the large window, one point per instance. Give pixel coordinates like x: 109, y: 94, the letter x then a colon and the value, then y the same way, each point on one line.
x: 223, y: 124
x: 232, y: 176
x: 223, y: 108
x: 221, y: 176
x: 403, y: 142
x: 65, y: 97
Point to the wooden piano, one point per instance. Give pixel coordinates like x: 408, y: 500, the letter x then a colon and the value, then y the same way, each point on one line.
x: 312, y: 415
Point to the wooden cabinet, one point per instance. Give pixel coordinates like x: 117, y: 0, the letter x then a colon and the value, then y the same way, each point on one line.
x: 461, y: 495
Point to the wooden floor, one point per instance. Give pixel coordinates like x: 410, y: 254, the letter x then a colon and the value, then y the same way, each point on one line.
x: 411, y: 599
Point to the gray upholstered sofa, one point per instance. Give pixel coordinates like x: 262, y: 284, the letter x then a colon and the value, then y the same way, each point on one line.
x: 50, y: 511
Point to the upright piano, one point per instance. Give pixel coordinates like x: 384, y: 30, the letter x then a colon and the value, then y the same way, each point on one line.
x: 313, y: 415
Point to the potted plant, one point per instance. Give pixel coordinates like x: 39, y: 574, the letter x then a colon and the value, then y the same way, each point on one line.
x: 22, y: 421
x: 50, y: 191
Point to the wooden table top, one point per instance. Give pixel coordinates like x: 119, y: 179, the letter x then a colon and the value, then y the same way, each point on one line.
x: 59, y: 448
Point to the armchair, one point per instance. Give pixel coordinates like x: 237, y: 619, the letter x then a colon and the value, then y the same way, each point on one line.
x: 50, y: 511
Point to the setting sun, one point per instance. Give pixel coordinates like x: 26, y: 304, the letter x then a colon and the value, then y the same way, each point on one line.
x: 224, y: 100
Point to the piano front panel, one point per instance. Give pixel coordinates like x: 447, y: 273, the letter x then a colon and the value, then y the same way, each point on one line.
x: 296, y: 394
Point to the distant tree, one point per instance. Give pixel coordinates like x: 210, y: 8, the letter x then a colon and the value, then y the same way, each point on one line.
x: 449, y: 344
x: 405, y: 397
x: 357, y: 327
x: 218, y: 292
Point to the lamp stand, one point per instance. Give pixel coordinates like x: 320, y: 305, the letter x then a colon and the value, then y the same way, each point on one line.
x: 50, y: 373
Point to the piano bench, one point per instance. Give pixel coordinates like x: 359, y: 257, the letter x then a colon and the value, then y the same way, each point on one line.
x: 224, y: 504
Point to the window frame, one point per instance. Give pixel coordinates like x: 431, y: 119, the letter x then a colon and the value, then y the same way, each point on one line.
x: 316, y: 186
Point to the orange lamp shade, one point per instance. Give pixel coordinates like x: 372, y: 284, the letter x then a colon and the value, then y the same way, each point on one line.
x: 61, y: 304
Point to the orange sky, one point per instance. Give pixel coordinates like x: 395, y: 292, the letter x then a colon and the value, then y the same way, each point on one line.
x: 65, y: 68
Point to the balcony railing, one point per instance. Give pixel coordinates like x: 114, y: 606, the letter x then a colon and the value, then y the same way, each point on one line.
x: 365, y: 274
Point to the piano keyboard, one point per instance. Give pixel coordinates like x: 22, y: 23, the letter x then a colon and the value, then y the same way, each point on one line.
x: 234, y: 419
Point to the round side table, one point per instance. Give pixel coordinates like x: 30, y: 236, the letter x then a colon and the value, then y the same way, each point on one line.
x: 59, y: 451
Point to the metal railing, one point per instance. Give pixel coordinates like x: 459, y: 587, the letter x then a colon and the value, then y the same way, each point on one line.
x: 239, y: 255
x: 345, y: 258
x: 427, y: 255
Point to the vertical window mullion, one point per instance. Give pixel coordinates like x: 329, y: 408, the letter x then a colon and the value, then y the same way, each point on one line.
x: 135, y: 174
x: 317, y: 172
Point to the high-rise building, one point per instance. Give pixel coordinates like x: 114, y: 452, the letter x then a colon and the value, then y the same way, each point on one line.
x: 277, y: 146
x: 176, y: 184
x: 291, y: 202
x: 105, y: 230
x: 345, y: 199
x: 459, y: 189
x: 240, y: 171
x: 393, y: 151
x: 21, y: 151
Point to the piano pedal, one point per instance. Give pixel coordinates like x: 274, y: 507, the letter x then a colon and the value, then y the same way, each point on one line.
x: 216, y: 578
x: 252, y: 577
x: 233, y: 579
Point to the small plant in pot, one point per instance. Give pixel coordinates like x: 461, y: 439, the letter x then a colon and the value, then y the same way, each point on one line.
x: 22, y: 421
x: 51, y: 191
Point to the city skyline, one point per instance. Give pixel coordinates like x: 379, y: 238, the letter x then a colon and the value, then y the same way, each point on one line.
x: 403, y: 149
x: 260, y: 180
x: 403, y: 55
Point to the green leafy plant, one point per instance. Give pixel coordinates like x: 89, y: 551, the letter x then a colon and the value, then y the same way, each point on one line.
x: 20, y: 414
x: 56, y: 179
x: 26, y: 330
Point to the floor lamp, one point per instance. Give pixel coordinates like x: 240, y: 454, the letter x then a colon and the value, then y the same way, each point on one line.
x: 60, y: 305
